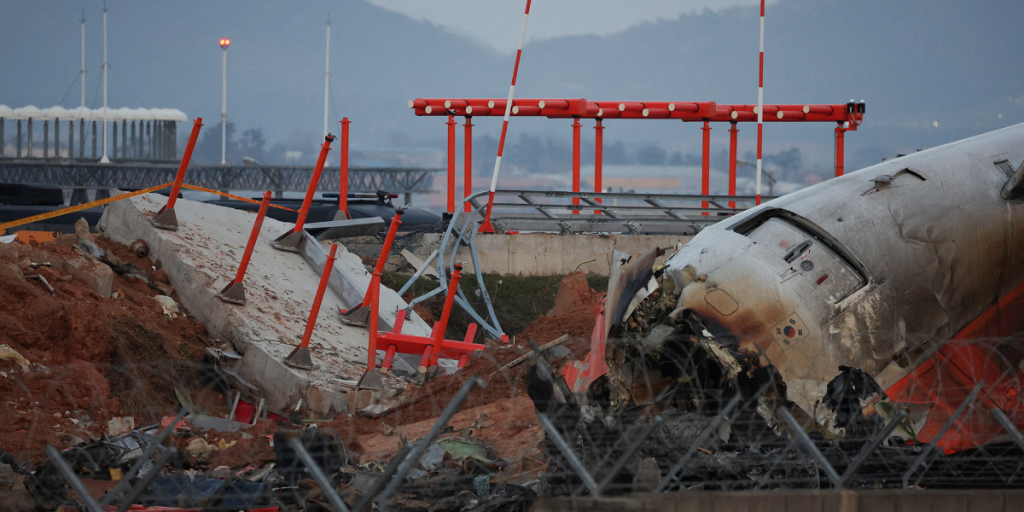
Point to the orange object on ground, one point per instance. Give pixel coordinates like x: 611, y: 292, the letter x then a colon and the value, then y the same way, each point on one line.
x: 579, y: 375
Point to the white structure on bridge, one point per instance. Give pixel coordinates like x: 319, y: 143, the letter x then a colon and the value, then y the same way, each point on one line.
x: 156, y: 138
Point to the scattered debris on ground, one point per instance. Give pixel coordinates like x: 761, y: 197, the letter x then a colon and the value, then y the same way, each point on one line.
x: 96, y: 376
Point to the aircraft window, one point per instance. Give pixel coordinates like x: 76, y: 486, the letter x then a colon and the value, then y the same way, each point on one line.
x: 791, y: 249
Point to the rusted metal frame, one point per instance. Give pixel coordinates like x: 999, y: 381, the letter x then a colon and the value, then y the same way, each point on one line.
x: 871, y: 445
x: 326, y: 486
x: 710, y: 429
x: 798, y: 432
x: 421, y: 447
x: 570, y: 456
x: 926, y: 452
x: 123, y: 484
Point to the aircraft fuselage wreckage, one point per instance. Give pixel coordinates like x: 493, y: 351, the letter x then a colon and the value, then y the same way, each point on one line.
x: 898, y: 286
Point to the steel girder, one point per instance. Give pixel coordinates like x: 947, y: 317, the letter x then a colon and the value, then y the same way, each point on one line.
x: 220, y: 177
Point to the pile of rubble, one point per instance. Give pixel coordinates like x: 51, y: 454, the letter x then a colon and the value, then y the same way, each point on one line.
x: 91, y: 331
x: 97, y: 354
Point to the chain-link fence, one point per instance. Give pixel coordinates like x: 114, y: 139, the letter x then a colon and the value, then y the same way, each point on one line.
x: 689, y: 427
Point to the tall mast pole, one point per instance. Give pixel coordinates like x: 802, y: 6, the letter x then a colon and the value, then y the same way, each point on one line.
x: 105, y: 159
x: 327, y: 71
x: 83, y: 59
x: 486, y: 225
x: 760, y: 107
x: 224, y: 43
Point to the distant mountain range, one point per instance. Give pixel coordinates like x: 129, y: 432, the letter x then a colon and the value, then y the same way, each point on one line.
x: 930, y: 72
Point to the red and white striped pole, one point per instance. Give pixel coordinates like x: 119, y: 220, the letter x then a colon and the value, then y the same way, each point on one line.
x: 486, y: 226
x: 760, y: 108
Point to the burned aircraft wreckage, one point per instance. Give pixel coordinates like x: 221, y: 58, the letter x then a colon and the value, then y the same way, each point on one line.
x: 899, y: 287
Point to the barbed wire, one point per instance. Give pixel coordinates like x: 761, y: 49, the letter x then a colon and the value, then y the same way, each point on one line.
x: 696, y: 434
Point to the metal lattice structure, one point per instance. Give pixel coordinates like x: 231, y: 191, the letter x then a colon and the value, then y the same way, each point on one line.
x: 552, y: 212
x: 221, y: 177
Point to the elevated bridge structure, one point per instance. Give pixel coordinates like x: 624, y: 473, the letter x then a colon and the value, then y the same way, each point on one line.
x: 82, y: 176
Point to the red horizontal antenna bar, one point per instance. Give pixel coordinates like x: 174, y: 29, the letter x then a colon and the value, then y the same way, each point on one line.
x: 688, y: 111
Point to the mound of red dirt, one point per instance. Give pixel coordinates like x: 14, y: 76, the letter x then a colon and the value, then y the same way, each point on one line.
x: 89, y: 358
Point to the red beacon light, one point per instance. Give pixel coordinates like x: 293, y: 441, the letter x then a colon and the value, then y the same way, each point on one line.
x: 224, y: 43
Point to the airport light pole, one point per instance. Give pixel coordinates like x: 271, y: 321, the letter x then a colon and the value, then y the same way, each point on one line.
x: 327, y: 72
x: 224, y: 43
x: 105, y: 159
x: 83, y: 61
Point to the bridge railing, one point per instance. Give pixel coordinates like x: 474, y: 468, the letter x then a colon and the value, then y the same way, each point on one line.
x: 75, y: 175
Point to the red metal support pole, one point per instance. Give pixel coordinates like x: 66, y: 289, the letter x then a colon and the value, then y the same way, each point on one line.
x: 235, y: 292
x: 840, y: 148
x: 435, y: 352
x: 291, y: 240
x: 313, y: 182
x: 358, y: 315
x: 197, y: 124
x: 598, y: 158
x: 451, y: 163
x: 576, y: 160
x: 705, y: 177
x: 300, y: 357
x: 374, y: 295
x: 343, y: 186
x: 166, y: 218
x: 468, y: 160
x: 732, y: 162
x: 253, y: 236
x: 389, y: 357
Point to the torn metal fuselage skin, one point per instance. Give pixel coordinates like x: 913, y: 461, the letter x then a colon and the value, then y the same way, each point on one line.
x: 875, y: 270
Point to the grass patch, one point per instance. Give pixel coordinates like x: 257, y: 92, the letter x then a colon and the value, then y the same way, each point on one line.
x: 517, y: 300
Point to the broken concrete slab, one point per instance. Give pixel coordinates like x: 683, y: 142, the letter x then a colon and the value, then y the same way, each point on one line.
x: 202, y: 256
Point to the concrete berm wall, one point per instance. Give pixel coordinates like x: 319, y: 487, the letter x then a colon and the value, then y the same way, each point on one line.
x: 201, y: 258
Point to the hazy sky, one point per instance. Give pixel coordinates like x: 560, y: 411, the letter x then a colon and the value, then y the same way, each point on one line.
x: 498, y: 22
